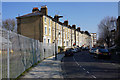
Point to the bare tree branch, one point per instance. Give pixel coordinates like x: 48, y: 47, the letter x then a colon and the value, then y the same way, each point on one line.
x: 9, y: 24
x: 104, y: 29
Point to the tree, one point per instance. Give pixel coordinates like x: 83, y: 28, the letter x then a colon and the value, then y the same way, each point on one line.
x: 9, y: 24
x: 104, y: 29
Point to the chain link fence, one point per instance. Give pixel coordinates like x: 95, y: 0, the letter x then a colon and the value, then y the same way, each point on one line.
x: 0, y: 54
x: 20, y: 53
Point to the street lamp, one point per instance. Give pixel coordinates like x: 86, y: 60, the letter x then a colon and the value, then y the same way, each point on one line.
x: 56, y: 20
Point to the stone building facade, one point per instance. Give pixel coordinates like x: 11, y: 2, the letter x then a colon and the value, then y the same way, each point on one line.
x: 40, y: 26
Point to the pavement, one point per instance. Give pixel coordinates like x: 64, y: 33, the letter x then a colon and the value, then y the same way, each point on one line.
x: 115, y: 58
x: 48, y: 68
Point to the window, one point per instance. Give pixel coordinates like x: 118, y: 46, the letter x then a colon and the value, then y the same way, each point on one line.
x: 48, y: 40
x: 45, y: 19
x: 49, y: 31
x: 67, y: 43
x: 46, y: 30
x: 68, y: 35
x: 49, y: 22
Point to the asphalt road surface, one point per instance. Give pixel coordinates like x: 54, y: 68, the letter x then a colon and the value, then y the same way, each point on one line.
x: 83, y: 65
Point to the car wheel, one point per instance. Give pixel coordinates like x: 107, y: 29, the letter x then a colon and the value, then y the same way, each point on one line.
x: 65, y: 55
x: 109, y: 57
x: 98, y: 57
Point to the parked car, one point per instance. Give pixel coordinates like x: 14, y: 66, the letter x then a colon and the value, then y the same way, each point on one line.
x: 92, y: 50
x: 79, y: 49
x: 74, y: 50
x: 87, y: 49
x: 83, y: 48
x: 100, y: 53
x: 69, y: 52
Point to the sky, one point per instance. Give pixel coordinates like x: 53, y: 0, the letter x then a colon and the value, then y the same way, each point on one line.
x: 60, y: 0
x: 86, y: 15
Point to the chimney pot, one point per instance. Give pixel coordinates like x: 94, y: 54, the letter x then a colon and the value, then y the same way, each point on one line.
x: 35, y: 9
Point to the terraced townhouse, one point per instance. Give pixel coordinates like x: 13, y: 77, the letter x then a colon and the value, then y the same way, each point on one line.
x: 40, y: 26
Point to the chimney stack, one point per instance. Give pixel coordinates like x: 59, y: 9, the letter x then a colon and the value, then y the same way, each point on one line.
x: 56, y: 18
x: 74, y: 26
x: 35, y: 9
x: 66, y: 23
x: 44, y: 10
x: 78, y: 28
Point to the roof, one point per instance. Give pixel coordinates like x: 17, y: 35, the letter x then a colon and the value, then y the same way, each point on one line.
x: 39, y: 13
x: 30, y: 14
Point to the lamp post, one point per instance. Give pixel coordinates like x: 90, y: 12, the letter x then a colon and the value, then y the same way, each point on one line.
x: 56, y: 20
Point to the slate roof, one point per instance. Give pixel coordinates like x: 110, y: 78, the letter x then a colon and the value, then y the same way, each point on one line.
x: 30, y: 14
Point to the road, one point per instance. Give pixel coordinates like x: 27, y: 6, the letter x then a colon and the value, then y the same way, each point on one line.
x: 84, y: 65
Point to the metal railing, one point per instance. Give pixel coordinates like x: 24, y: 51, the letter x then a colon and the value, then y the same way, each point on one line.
x: 20, y: 53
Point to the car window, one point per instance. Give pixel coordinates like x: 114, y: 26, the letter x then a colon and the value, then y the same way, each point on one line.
x: 93, y: 48
x: 103, y: 50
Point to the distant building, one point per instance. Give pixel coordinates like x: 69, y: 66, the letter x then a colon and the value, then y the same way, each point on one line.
x: 94, y: 39
x: 78, y: 36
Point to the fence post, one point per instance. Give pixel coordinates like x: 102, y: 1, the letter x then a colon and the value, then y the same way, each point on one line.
x: 54, y: 49
x: 33, y: 51
x: 8, y: 67
x: 1, y: 54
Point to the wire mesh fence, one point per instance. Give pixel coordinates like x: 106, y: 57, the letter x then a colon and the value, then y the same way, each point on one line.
x: 0, y: 53
x: 20, y: 52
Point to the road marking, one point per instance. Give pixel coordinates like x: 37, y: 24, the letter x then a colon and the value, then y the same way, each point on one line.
x: 93, y: 76
x: 83, y: 68
x: 75, y: 61
x: 88, y: 72
x: 113, y: 64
